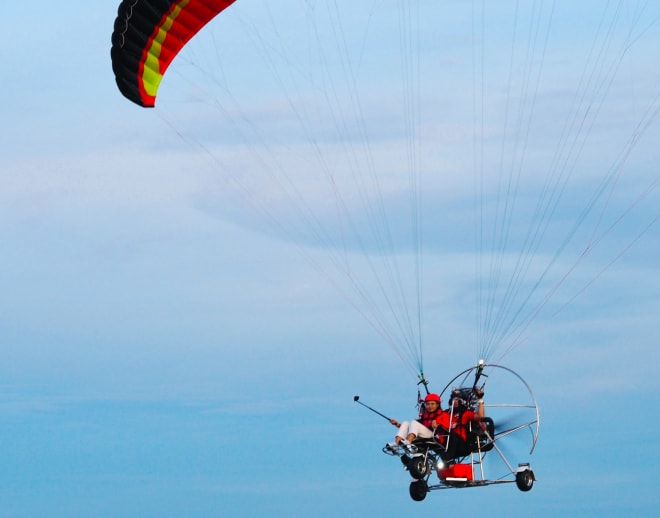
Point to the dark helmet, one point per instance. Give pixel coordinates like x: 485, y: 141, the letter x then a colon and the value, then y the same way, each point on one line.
x: 457, y: 395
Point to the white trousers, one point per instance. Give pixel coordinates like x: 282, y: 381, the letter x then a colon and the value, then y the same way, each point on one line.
x: 414, y: 427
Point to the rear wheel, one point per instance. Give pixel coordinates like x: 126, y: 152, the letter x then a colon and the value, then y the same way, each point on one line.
x: 418, y: 490
x: 525, y: 480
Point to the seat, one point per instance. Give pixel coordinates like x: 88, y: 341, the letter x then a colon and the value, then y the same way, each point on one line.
x: 481, y: 435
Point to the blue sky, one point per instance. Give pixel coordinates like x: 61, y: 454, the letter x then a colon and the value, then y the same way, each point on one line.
x: 175, y: 346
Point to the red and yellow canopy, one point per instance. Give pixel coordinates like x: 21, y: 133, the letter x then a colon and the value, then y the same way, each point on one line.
x: 148, y: 35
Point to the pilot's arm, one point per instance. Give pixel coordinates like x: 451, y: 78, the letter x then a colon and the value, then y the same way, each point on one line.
x: 481, y: 411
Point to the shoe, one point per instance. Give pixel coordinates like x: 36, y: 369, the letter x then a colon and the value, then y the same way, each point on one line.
x: 392, y: 446
x: 407, y: 446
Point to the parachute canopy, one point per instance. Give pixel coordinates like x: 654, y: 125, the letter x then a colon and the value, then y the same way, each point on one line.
x: 148, y: 34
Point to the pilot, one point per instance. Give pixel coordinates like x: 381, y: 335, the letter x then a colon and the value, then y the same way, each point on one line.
x: 459, y: 419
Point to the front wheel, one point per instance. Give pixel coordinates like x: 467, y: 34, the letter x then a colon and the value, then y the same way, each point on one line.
x: 525, y: 480
x: 418, y: 490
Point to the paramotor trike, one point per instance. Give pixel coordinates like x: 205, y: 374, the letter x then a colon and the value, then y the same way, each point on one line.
x: 486, y: 456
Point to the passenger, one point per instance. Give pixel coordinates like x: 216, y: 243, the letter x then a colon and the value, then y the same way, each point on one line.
x: 429, y: 419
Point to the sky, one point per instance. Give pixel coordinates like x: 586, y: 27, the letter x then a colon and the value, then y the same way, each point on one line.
x: 193, y: 294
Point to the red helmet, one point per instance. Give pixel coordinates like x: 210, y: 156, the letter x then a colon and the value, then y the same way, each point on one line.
x: 432, y: 397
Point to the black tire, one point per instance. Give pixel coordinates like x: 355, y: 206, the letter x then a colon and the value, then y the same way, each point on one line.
x: 418, y: 467
x: 418, y: 490
x: 525, y: 480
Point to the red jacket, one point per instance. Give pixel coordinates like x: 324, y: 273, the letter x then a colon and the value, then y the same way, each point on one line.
x: 427, y: 418
x: 458, y: 421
